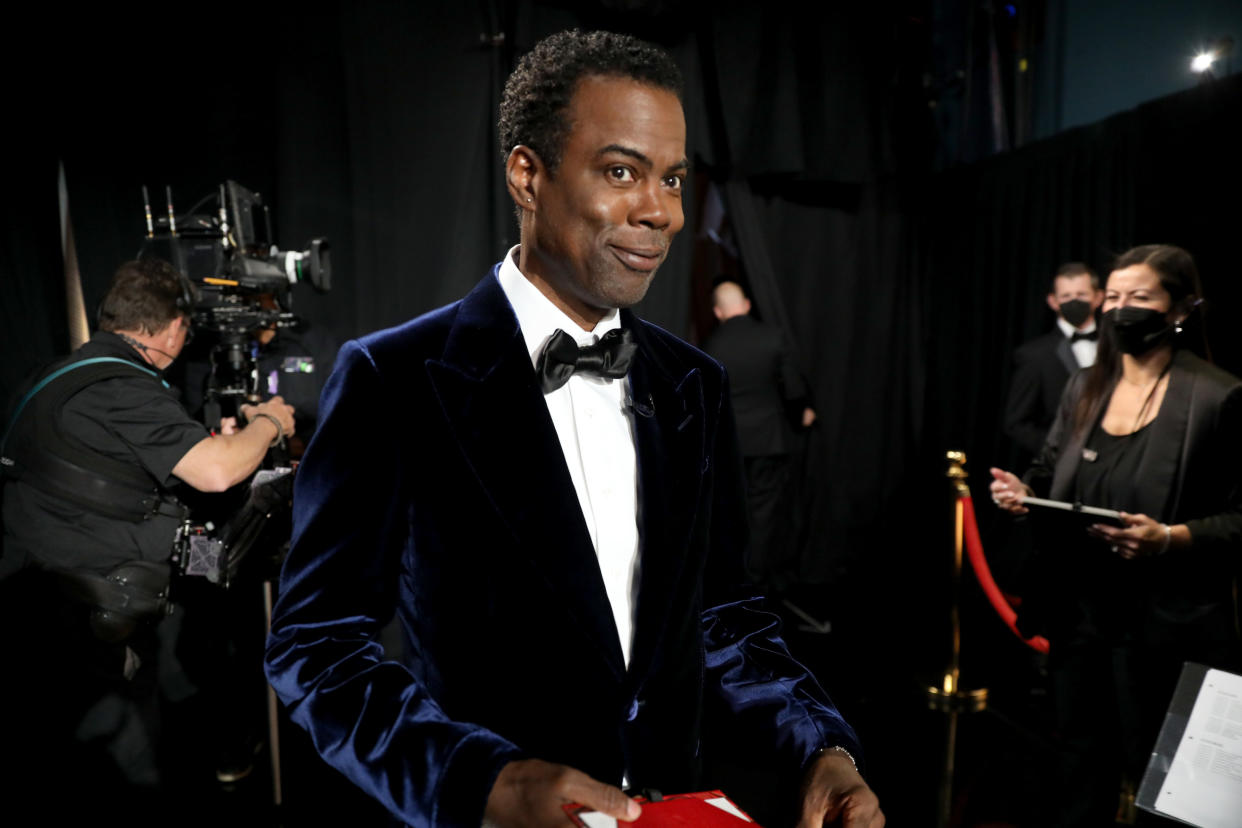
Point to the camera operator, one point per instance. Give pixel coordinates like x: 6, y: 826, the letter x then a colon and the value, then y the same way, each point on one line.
x: 91, y: 459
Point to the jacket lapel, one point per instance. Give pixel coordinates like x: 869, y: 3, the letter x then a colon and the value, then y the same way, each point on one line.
x: 489, y: 395
x: 1165, y: 445
x: 669, y: 434
x: 1070, y: 455
x: 1065, y: 353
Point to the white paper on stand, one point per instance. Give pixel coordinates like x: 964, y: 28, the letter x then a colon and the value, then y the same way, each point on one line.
x: 1204, y: 784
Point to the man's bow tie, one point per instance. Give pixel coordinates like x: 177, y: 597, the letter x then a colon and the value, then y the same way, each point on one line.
x: 562, y: 358
x: 1091, y: 335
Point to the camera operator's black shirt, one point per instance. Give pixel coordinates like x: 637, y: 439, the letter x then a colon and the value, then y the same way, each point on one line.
x: 133, y: 419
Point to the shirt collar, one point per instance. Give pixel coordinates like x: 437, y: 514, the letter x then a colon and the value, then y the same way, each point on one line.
x: 1068, y: 330
x: 537, y: 316
x: 114, y: 342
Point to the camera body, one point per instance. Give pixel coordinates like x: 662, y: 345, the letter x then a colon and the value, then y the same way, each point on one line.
x: 243, y: 283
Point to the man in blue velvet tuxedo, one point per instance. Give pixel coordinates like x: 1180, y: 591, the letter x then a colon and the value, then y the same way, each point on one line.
x: 561, y: 537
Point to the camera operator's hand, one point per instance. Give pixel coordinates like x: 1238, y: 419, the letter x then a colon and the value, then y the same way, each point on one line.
x: 276, y: 408
x: 217, y: 463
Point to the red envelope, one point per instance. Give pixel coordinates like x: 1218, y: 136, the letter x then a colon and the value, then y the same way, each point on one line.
x: 707, y: 809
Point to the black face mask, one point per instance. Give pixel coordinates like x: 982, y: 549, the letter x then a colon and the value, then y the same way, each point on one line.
x: 1075, y: 312
x: 1138, y: 329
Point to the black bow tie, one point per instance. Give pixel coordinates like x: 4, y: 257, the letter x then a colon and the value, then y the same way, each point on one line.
x: 562, y: 358
x: 1091, y: 335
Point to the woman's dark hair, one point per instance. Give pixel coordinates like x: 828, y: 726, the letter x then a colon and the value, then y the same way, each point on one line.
x: 1179, y: 276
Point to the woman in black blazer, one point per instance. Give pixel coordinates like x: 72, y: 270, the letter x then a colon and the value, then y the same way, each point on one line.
x: 1154, y: 431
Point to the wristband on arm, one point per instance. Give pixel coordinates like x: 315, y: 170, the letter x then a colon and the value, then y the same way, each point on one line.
x: 1168, y: 538
x: 280, y: 430
x: 835, y: 749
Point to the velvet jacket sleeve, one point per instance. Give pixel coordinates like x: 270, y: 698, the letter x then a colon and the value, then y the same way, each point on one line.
x: 367, y: 715
x: 755, y: 687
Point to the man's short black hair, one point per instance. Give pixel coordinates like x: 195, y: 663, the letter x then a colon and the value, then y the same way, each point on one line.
x: 145, y: 295
x: 537, y: 94
x: 1071, y: 269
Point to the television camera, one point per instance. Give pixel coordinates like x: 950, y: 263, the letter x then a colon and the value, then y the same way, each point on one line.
x: 244, y: 282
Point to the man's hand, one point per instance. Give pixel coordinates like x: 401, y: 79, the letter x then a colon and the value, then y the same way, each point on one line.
x: 530, y: 792
x: 218, y: 463
x: 833, y: 793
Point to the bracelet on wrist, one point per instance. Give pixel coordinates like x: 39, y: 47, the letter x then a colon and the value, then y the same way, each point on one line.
x: 836, y: 749
x: 280, y: 430
x: 1168, y: 539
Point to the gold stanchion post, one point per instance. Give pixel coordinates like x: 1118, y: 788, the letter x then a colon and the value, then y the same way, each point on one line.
x: 949, y: 698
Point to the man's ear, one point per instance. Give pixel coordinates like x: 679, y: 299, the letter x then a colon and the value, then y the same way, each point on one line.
x: 1097, y: 300
x: 168, y: 332
x: 523, y: 169
x: 1052, y: 303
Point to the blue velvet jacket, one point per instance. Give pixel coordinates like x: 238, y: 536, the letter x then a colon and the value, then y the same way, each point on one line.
x: 435, y: 487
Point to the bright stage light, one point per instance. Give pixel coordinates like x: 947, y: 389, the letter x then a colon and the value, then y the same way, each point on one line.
x: 1202, y: 62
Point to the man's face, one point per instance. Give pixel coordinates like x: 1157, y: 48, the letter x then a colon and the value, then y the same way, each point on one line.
x: 602, y: 223
x: 1069, y: 288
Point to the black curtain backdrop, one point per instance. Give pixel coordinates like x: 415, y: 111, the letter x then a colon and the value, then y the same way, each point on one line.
x: 905, y: 292
x: 33, y: 324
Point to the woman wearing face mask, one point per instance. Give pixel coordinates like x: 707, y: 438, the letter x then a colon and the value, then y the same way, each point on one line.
x: 1154, y: 431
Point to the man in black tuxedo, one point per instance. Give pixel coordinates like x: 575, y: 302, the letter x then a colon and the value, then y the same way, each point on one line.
x: 560, y: 535
x: 1043, y: 365
x: 766, y: 386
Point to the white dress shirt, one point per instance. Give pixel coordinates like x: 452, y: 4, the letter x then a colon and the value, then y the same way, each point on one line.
x: 597, y: 438
x: 1084, y: 349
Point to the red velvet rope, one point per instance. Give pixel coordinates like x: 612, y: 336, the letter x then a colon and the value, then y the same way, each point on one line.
x: 974, y: 549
